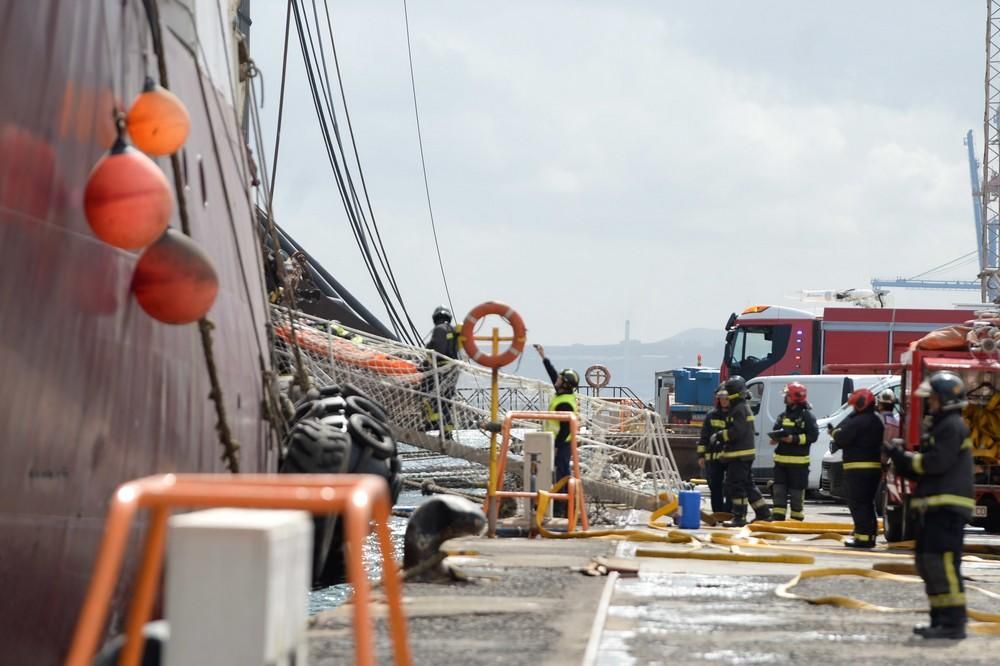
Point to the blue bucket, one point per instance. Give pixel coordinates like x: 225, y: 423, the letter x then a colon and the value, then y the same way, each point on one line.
x: 690, y: 509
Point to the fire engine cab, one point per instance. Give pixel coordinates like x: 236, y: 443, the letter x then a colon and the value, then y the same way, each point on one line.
x: 766, y: 340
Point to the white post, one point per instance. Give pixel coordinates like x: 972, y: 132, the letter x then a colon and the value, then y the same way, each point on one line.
x: 237, y: 587
x: 542, y: 445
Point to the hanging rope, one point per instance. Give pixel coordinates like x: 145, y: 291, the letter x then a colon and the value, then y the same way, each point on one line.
x: 230, y: 447
x: 423, y: 164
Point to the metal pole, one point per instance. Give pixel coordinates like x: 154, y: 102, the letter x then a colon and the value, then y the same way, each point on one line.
x: 494, y: 411
x: 437, y: 392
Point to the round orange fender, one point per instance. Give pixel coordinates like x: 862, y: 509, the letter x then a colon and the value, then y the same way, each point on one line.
x: 506, y: 313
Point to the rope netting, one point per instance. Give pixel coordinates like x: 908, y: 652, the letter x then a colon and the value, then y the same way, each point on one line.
x: 429, y: 396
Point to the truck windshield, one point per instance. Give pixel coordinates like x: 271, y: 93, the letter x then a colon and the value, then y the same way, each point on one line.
x: 750, y: 350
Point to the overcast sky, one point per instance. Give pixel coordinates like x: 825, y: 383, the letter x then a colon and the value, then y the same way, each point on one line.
x: 662, y: 162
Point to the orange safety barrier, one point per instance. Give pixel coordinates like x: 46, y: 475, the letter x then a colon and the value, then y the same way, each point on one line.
x: 360, y: 498
x: 348, y: 352
x: 574, y: 484
x: 509, y: 315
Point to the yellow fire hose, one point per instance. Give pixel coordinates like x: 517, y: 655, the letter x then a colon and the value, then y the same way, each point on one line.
x: 987, y: 623
x: 779, y: 535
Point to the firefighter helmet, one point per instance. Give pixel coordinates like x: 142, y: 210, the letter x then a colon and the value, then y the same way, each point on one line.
x: 570, y: 378
x: 861, y: 400
x: 442, y: 315
x: 735, y: 387
x: 795, y: 393
x: 948, y: 388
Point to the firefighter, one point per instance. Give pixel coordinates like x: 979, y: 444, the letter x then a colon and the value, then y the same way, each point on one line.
x: 886, y: 408
x: 564, y: 400
x: 794, y: 430
x: 738, y: 453
x: 709, y: 456
x: 441, y: 377
x: 942, y: 501
x: 860, y: 438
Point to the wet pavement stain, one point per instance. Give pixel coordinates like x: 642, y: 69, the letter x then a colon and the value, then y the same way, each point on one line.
x: 733, y: 619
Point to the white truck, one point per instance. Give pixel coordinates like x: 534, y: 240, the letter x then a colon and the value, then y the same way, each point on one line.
x: 827, y: 393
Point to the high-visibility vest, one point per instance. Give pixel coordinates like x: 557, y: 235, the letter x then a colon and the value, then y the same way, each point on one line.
x: 552, y: 425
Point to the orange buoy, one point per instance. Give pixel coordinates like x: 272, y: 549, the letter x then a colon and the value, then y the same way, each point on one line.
x: 127, y: 199
x: 174, y: 281
x: 157, y: 121
x: 29, y: 181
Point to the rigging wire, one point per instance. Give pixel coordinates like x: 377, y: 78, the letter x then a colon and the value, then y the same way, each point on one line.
x: 370, y: 223
x: 954, y: 263
x: 423, y: 163
x: 322, y: 101
x: 357, y: 158
x: 356, y: 228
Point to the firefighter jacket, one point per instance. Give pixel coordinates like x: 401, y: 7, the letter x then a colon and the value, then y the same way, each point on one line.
x: 444, y: 341
x: 715, y: 422
x: 799, y: 422
x: 942, y: 467
x: 738, y: 437
x: 561, y: 402
x: 860, y: 437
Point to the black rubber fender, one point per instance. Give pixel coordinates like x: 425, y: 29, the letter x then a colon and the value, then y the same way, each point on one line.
x: 330, y: 391
x: 338, y: 421
x: 327, y: 407
x: 357, y: 404
x: 369, y: 433
x: 314, y: 447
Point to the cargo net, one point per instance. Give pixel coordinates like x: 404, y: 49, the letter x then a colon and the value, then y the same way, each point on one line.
x: 440, y: 403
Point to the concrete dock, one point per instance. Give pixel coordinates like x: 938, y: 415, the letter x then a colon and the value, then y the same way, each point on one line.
x: 527, y: 602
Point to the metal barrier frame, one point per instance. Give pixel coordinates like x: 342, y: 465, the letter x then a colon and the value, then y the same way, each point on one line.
x: 360, y: 498
x: 574, y: 494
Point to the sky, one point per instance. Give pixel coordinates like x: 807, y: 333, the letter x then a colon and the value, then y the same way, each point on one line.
x: 662, y: 162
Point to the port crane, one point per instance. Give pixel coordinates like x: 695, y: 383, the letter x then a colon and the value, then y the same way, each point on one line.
x: 985, y: 189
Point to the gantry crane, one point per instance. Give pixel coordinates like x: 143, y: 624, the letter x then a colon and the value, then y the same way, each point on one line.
x: 985, y: 188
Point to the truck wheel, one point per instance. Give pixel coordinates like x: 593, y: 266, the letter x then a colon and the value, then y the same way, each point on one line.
x: 894, y: 523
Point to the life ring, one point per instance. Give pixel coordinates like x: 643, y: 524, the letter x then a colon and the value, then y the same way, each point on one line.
x: 506, y: 313
x: 597, y: 376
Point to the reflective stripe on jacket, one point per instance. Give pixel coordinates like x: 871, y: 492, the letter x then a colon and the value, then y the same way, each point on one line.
x: 738, y: 437
x: 943, y: 467
x: 799, y: 422
x: 561, y: 402
x: 715, y: 421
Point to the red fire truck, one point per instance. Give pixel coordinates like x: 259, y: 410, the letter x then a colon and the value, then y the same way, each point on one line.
x: 773, y: 340
x: 981, y: 374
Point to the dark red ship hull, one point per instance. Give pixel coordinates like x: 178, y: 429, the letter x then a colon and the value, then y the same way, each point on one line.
x: 94, y: 392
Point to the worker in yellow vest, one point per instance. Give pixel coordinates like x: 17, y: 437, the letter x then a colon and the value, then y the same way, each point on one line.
x: 564, y: 400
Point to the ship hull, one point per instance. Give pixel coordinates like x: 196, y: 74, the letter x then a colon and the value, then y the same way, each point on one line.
x: 93, y: 392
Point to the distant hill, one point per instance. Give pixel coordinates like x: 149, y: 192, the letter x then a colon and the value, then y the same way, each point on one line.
x: 634, y: 363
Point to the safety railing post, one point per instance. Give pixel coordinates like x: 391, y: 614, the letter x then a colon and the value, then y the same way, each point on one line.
x: 494, y: 481
x: 432, y: 360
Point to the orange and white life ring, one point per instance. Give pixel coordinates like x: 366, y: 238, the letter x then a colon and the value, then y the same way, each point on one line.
x: 509, y: 315
x: 598, y: 376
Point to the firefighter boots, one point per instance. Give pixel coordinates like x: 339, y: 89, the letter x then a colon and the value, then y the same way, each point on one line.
x: 944, y: 631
